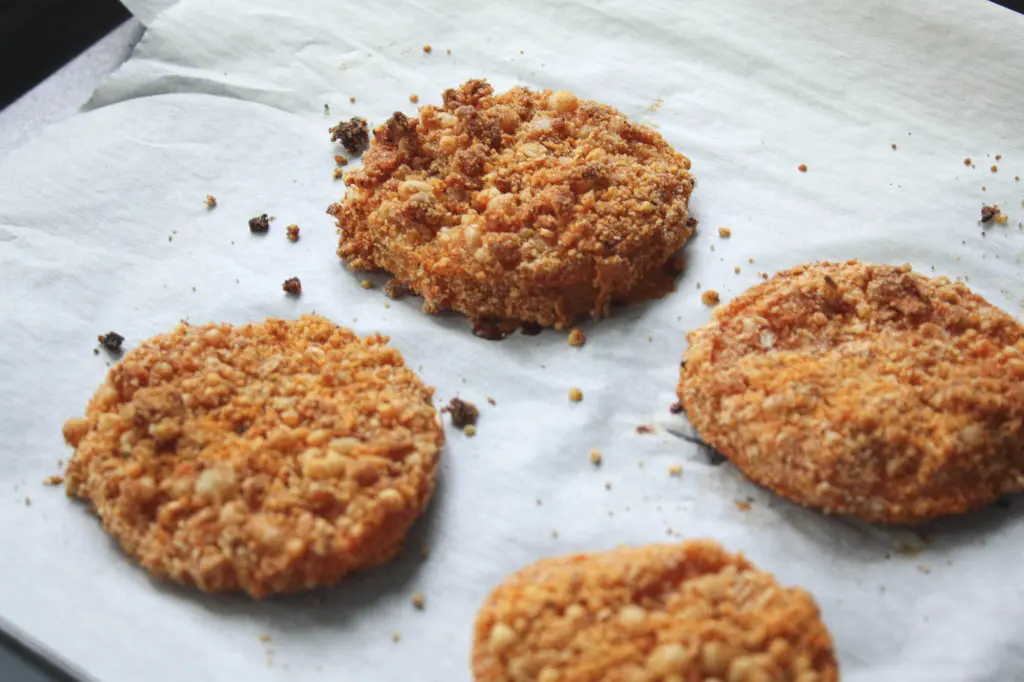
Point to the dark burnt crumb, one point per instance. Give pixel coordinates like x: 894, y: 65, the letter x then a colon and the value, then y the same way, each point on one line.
x: 644, y: 428
x: 293, y: 233
x: 691, y: 223
x: 340, y: 160
x: 491, y: 401
x: 999, y: 157
x: 676, y: 408
x: 327, y: 110
x: 211, y: 201
x: 894, y: 146
x: 716, y: 458
x: 242, y: 428
x: 967, y: 161
x: 112, y: 341
x: 463, y: 413
x: 989, y: 212
x: 493, y: 330
x: 831, y: 283
x: 353, y: 134
x: 530, y: 328
x: 260, y: 224
x: 802, y: 168
x: 95, y: 351
x: 396, y: 289
x: 292, y: 286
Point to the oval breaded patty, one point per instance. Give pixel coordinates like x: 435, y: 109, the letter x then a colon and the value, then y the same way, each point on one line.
x: 267, y: 458
x: 863, y: 389
x: 685, y: 612
x: 526, y: 206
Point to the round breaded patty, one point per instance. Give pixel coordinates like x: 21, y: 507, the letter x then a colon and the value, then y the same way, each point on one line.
x: 685, y: 612
x: 267, y: 458
x: 863, y: 389
x: 526, y: 206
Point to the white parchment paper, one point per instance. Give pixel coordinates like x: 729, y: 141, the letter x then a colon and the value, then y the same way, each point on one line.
x: 103, y: 226
x: 147, y: 11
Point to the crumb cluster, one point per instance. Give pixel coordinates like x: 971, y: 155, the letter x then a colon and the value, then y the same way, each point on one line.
x: 863, y: 389
x: 462, y: 412
x: 266, y: 458
x: 528, y: 206
x: 353, y: 134
x: 659, y: 613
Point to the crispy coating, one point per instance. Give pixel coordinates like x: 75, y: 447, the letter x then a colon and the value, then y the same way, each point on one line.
x: 266, y: 458
x: 528, y: 206
x: 863, y: 389
x: 687, y: 612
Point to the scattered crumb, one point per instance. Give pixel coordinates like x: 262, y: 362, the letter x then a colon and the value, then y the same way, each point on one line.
x: 95, y: 351
x: 112, y: 341
x: 395, y: 289
x: 327, y: 110
x: 469, y: 430
x: 427, y: 49
x: 994, y: 168
x: 340, y: 160
x: 676, y: 408
x: 337, y: 174
x: 463, y: 413
x: 272, y: 218
x: 607, y: 485
x: 742, y: 506
x: 595, y: 457
x: 60, y: 461
x: 924, y: 569
x: 575, y: 395
x: 353, y: 134
x: 576, y: 337
x: 292, y: 286
x: 260, y: 224
x: 644, y: 428
x: 351, y: 100
x: 53, y: 480
x: 999, y: 157
x: 448, y: 51
x: 418, y: 600
x: 967, y: 161
x: 211, y: 201
x: 414, y: 98
x: 989, y: 212
x: 264, y: 637
x: 802, y: 168
x: 491, y: 401
x: 366, y: 284
x: 675, y: 470
x: 1017, y: 178
x: 894, y: 146
x: 710, y: 297
x: 293, y: 233
x: 724, y: 232
x: 736, y: 269
x: 750, y: 260
x: 395, y: 636
x: 1002, y: 218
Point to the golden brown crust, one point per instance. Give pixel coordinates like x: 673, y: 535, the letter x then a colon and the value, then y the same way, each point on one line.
x: 529, y: 206
x: 686, y: 612
x: 268, y: 458
x: 863, y: 389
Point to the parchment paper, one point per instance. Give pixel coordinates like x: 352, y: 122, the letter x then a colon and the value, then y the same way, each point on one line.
x: 147, y: 11
x: 103, y: 226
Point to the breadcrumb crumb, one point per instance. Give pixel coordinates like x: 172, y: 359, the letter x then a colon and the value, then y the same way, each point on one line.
x: 338, y: 173
x: 595, y: 457
x: 292, y: 286
x: 710, y: 297
x: 211, y: 201
x: 340, y: 160
x: 53, y: 480
x: 259, y: 224
x: 576, y: 337
x: 469, y: 430
x: 724, y: 232
x: 994, y: 168
x: 491, y: 401
x: 418, y: 600
x: 802, y: 168
x: 395, y: 636
x: 463, y: 412
x: 428, y: 49
x: 1002, y: 218
x: 742, y: 506
x: 575, y: 395
x: 675, y: 470
x: 293, y: 233
x: 414, y: 98
x: 366, y: 284
x: 967, y: 161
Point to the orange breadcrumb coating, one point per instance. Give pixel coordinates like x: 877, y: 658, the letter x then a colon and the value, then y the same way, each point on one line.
x: 863, y: 389
x: 266, y: 458
x: 686, y: 612
x: 529, y: 206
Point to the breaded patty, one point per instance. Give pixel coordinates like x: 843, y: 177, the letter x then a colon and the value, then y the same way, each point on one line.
x: 267, y: 458
x: 687, y: 612
x: 527, y: 206
x: 863, y: 389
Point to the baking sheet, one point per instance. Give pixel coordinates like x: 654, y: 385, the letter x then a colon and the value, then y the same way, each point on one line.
x: 103, y: 226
